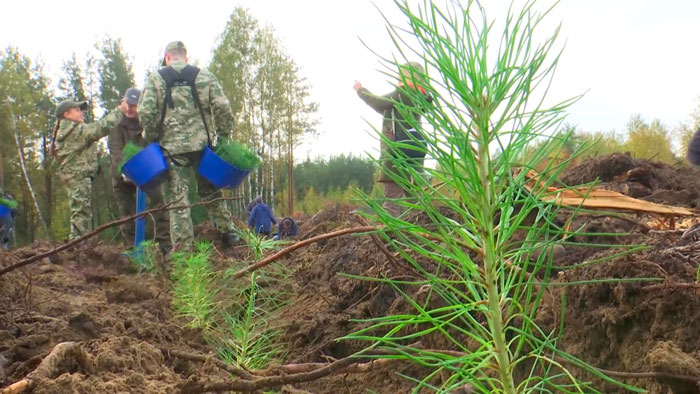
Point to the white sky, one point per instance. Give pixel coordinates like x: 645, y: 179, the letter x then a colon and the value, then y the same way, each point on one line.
x: 630, y: 56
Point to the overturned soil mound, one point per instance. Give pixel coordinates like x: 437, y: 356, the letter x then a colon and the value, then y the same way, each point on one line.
x: 125, y: 322
x: 652, y: 181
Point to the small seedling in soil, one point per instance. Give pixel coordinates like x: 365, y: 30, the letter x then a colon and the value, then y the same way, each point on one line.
x: 144, y: 256
x: 193, y: 292
x: 249, y: 337
x: 481, y: 280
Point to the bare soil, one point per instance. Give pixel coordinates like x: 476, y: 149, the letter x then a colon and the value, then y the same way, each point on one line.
x: 126, y: 324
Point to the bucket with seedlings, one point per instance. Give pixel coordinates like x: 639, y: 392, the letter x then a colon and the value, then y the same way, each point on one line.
x: 146, y: 167
x: 6, y: 207
x: 227, y: 165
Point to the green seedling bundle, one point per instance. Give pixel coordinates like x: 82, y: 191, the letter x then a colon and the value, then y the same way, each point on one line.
x: 12, y: 204
x: 130, y: 150
x: 238, y: 155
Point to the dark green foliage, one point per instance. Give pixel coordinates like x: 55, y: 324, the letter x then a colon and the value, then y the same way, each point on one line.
x: 115, y: 72
x: 336, y: 173
x: 238, y: 155
x: 130, y: 150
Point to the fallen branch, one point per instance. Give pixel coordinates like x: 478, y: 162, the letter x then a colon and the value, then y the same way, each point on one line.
x: 50, y: 366
x: 241, y: 373
x: 67, y: 245
x: 300, y: 244
x: 194, y: 386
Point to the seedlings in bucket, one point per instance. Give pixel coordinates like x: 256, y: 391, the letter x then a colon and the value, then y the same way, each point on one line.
x: 238, y: 155
x: 12, y: 204
x: 130, y: 150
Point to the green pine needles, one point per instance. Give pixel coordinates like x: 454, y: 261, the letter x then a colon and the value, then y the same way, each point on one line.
x: 130, y: 150
x: 481, y: 285
x: 12, y: 204
x: 250, y: 337
x: 238, y: 317
x: 144, y: 256
x: 238, y: 155
x: 193, y: 292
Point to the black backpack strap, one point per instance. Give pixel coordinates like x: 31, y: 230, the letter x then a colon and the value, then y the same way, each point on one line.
x: 186, y: 77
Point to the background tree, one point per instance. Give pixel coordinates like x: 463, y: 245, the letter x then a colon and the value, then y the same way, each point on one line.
x: 115, y: 72
x: 269, y: 100
x: 26, y: 118
x: 649, y: 141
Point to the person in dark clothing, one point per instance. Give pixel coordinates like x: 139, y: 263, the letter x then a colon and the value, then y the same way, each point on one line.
x: 7, y: 220
x: 261, y: 219
x: 694, y: 149
x: 130, y: 130
x: 287, y: 229
x: 248, y: 209
x: 396, y: 128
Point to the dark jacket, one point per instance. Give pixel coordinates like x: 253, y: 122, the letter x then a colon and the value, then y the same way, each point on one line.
x: 288, y: 232
x: 394, y: 124
x: 128, y: 130
x: 261, y: 218
x: 694, y: 149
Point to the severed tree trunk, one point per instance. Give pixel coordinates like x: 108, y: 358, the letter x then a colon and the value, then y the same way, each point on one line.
x: 290, y: 174
x: 23, y: 164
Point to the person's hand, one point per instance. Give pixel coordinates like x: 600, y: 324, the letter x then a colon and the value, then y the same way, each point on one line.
x: 123, y: 107
x: 357, y: 86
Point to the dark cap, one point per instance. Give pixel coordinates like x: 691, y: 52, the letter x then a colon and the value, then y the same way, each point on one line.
x: 132, y: 96
x: 174, y: 45
x: 65, y: 105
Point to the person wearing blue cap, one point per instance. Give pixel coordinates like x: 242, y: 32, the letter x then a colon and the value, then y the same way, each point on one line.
x: 130, y: 130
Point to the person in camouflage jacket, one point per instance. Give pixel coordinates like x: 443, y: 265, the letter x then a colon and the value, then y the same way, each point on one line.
x: 130, y: 130
x: 394, y: 128
x: 74, y: 148
x: 183, y: 136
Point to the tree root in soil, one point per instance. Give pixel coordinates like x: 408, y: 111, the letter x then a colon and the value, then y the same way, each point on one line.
x: 293, y: 247
x: 314, y: 371
x: 52, y: 365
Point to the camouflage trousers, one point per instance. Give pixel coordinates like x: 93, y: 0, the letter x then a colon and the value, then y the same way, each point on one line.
x: 125, y: 194
x: 80, y: 194
x: 181, y: 230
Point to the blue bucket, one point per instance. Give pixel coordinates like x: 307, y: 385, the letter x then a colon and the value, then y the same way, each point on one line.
x: 219, y: 172
x: 5, y: 212
x: 148, y: 168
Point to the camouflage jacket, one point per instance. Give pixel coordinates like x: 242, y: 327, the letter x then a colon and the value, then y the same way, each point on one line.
x: 183, y: 130
x: 128, y: 130
x: 75, y: 144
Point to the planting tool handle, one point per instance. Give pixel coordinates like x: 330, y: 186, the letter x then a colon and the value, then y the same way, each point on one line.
x: 140, y: 222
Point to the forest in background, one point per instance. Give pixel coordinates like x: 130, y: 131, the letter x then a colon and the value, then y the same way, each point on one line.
x: 273, y: 113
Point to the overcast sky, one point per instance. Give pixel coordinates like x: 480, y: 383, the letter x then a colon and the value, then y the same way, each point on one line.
x: 629, y: 56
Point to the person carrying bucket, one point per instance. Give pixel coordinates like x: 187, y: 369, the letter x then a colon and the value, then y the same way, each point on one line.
x: 130, y: 130
x: 184, y: 114
x: 74, y: 148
